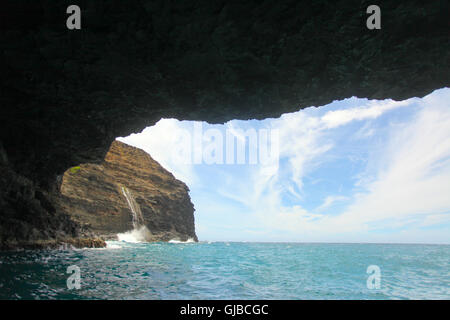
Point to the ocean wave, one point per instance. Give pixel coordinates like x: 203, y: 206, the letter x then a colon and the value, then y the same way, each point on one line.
x: 112, y: 245
x: 190, y: 240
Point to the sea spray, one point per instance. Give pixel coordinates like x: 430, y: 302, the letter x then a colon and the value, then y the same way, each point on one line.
x: 140, y: 233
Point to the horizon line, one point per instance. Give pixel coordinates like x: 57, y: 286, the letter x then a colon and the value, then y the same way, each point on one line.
x: 319, y: 242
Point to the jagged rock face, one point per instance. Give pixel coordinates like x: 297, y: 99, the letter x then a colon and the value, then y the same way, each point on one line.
x: 93, y: 195
x: 65, y: 95
x: 27, y: 214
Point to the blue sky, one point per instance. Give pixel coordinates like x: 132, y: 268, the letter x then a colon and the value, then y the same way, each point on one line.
x: 355, y: 170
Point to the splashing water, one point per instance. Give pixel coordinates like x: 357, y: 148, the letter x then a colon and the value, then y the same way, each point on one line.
x: 140, y: 233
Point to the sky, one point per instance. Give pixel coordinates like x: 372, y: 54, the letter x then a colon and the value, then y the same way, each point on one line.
x: 355, y: 170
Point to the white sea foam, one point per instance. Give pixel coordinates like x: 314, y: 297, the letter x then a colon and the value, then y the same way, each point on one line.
x: 141, y: 234
x: 190, y: 240
x: 112, y: 245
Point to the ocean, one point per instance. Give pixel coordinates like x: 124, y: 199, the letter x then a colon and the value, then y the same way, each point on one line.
x: 234, y: 270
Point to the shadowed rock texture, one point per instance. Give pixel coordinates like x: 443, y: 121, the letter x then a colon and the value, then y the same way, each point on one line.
x: 93, y: 195
x: 65, y: 95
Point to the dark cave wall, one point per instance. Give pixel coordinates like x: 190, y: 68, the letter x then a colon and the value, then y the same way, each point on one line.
x: 65, y: 95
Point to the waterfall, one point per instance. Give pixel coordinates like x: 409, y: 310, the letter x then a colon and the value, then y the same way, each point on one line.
x: 138, y: 220
x: 140, y: 232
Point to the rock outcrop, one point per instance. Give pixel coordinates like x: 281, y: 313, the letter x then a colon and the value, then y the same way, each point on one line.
x: 65, y: 95
x: 95, y: 197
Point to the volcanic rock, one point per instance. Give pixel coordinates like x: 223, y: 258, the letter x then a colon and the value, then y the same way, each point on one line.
x: 94, y: 195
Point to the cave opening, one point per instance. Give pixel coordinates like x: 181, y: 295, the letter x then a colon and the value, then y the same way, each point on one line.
x: 355, y: 170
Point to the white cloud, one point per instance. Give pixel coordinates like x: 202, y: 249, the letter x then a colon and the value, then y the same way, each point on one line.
x: 165, y: 142
x: 411, y: 185
x: 435, y: 219
x: 410, y: 182
x: 406, y: 181
x: 329, y: 200
x: 413, y: 173
x: 372, y: 110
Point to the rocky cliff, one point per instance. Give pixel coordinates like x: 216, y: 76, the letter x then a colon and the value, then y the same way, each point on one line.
x: 101, y: 198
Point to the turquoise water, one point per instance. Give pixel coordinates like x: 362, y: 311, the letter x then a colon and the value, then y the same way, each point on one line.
x: 221, y: 270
